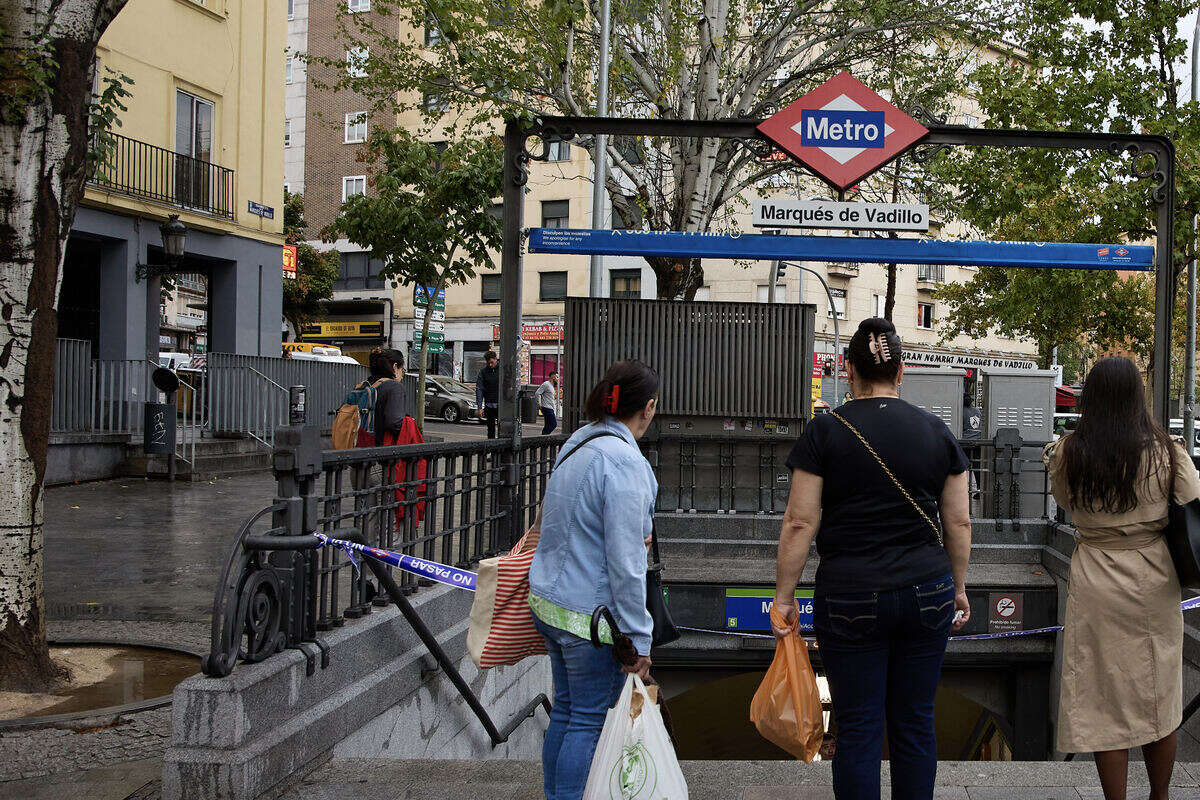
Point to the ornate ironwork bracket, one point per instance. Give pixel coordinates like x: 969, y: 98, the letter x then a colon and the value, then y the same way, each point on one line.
x: 1156, y: 170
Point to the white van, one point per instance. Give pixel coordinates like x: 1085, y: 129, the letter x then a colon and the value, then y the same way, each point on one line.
x: 1176, y: 430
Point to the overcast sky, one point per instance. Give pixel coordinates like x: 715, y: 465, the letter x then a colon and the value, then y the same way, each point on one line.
x: 1185, y: 30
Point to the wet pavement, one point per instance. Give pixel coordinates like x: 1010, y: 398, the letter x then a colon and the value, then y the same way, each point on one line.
x: 135, y: 549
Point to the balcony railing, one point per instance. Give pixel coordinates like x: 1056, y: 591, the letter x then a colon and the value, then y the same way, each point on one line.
x: 139, y: 169
x: 931, y: 273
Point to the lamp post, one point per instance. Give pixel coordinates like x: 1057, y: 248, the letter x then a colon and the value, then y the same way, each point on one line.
x: 599, y: 154
x: 837, y: 339
x: 1189, y: 368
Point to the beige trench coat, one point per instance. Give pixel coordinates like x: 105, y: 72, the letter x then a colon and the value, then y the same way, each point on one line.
x: 1122, y: 657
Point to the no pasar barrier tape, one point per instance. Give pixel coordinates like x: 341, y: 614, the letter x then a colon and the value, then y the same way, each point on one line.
x: 465, y: 579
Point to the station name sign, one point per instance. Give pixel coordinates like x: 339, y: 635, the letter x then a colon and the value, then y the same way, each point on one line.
x: 927, y: 358
x: 841, y: 216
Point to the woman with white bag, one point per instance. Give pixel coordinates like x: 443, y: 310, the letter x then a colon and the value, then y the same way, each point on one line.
x: 596, y: 520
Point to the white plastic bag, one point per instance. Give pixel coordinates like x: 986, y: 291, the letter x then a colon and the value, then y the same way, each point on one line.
x: 634, y: 758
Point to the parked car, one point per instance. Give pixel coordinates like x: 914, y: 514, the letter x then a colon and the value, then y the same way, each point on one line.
x: 1177, y: 430
x: 448, y: 399
x: 1064, y: 423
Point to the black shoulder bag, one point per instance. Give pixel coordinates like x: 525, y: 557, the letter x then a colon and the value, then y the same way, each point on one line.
x: 1183, y: 533
x: 665, y: 631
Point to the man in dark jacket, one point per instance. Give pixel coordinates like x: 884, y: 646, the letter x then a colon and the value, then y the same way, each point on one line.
x: 487, y: 392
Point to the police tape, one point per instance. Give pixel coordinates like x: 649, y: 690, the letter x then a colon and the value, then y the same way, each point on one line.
x: 465, y: 579
x: 442, y: 573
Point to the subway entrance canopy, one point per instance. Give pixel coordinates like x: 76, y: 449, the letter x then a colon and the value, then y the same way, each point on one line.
x: 841, y: 132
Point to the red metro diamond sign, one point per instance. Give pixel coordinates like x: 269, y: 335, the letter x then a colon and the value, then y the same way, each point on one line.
x: 842, y: 130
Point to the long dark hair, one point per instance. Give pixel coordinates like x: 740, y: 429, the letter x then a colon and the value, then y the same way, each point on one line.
x: 1100, y: 460
x: 637, y: 385
x: 875, y: 350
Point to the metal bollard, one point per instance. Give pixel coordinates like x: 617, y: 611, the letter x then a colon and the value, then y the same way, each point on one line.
x: 296, y: 405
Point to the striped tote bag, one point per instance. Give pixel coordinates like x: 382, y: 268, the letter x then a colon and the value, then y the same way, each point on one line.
x: 502, y: 629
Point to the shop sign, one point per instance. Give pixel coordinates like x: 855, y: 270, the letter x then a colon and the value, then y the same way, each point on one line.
x: 920, y: 358
x: 165, y: 341
x: 343, y: 330
x: 841, y: 216
x: 750, y: 609
x: 822, y: 360
x: 290, y: 258
x: 549, y: 331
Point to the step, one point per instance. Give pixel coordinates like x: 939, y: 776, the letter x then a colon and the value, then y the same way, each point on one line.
x: 210, y: 465
x: 705, y: 548
x: 761, y: 572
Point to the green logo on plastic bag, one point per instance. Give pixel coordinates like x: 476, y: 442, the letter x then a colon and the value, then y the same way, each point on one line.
x: 633, y: 774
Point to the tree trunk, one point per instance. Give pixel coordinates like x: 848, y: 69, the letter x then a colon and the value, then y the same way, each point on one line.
x: 889, y: 301
x: 676, y: 277
x: 43, y: 157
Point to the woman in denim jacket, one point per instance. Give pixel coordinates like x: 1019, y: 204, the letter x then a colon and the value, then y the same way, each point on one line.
x: 887, y: 591
x: 596, y: 522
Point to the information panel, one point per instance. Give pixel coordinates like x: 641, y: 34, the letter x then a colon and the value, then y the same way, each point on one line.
x: 750, y: 609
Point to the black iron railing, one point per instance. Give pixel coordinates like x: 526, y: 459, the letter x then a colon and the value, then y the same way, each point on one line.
x: 140, y: 169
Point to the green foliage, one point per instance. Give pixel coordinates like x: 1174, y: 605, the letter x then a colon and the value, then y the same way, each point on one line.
x: 466, y: 63
x: 104, y: 115
x: 316, y: 270
x: 428, y: 215
x: 1092, y: 66
x: 28, y: 68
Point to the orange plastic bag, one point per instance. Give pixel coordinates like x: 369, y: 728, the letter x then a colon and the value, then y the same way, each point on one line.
x: 786, y: 709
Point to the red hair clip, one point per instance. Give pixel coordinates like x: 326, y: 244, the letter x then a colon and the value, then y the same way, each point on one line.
x: 610, y: 404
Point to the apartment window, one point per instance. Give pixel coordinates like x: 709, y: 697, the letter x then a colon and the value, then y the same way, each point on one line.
x: 552, y: 286
x: 355, y: 6
x: 287, y: 133
x: 934, y: 273
x: 193, y: 138
x: 432, y: 34
x: 839, y: 303
x: 356, y: 127
x: 624, y: 282
x: 558, y: 150
x: 356, y: 61
x: 287, y: 69
x: 880, y: 305
x: 359, y: 271
x: 925, y: 316
x: 352, y: 185
x: 764, y: 292
x: 291, y: 9
x: 286, y: 190
x: 970, y: 120
x: 555, y: 214
x: 489, y: 289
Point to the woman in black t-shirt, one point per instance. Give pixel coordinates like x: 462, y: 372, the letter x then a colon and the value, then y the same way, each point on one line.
x: 871, y: 481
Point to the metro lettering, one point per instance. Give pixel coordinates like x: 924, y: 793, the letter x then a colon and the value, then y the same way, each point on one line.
x: 828, y: 128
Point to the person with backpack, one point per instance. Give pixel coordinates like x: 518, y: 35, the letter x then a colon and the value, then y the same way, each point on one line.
x: 392, y: 401
x: 354, y: 421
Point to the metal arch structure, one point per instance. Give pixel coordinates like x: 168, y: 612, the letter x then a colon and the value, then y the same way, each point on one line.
x: 1152, y: 157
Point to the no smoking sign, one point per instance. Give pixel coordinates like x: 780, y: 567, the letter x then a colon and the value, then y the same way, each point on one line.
x: 1005, y: 612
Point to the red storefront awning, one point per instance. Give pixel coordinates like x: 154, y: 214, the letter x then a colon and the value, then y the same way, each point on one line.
x: 1065, y: 397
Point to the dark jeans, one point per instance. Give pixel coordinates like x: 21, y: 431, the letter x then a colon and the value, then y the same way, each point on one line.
x: 551, y: 421
x: 882, y: 653
x: 490, y: 415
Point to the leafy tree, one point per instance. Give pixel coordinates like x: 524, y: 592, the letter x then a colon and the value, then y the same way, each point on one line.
x: 1091, y: 66
x: 467, y: 62
x: 47, y: 64
x: 428, y: 217
x: 316, y: 271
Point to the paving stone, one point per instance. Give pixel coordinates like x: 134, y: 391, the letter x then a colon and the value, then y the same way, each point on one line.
x: 782, y: 793
x: 1022, y: 793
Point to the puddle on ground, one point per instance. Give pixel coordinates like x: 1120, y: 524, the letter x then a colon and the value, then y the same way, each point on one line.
x: 102, y: 676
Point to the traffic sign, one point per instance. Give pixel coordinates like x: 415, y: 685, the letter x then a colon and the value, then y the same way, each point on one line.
x: 842, y: 130
x: 421, y: 295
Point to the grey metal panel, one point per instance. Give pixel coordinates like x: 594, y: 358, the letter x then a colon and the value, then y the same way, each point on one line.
x: 744, y: 360
x: 938, y: 391
x: 1021, y: 399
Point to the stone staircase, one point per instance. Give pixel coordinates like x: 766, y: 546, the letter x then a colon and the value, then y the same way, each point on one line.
x: 213, y: 457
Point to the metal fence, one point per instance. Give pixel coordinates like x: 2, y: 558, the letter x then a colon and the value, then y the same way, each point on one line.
x: 71, y: 406
x: 743, y: 360
x: 450, y: 502
x: 249, y: 394
x: 140, y: 169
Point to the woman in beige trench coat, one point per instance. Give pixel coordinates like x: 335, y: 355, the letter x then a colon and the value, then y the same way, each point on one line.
x: 1122, y: 659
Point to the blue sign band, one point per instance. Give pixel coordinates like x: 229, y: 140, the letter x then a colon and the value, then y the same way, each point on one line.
x: 841, y: 249
x: 820, y: 127
x: 442, y: 573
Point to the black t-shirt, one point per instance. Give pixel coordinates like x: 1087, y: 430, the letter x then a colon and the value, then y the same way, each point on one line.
x: 871, y: 538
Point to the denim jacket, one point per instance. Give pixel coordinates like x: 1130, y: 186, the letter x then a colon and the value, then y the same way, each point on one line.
x: 597, y: 512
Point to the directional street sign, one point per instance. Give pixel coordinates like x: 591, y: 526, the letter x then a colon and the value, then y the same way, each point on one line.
x: 842, y: 130
x: 841, y: 249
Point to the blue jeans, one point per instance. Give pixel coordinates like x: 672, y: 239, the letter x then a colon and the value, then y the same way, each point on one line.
x: 587, y: 682
x: 551, y: 421
x: 882, y: 653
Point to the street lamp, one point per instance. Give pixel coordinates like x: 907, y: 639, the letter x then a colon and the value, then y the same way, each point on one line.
x: 837, y: 339
x: 174, y: 238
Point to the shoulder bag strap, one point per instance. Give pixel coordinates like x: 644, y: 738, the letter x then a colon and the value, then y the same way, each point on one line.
x: 936, y: 531
x: 575, y: 449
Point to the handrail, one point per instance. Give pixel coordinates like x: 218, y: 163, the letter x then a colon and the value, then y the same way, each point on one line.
x: 268, y: 380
